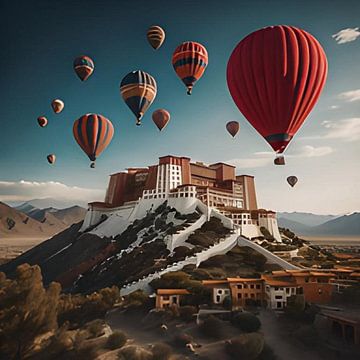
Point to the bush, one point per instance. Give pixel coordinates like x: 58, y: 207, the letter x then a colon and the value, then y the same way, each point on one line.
x: 245, y: 346
x: 96, y: 328
x: 133, y: 352
x: 182, y: 339
x: 116, y: 340
x: 161, y: 351
x: 187, y: 312
x: 246, y: 321
x: 136, y: 299
x: 266, y: 234
x: 212, y: 327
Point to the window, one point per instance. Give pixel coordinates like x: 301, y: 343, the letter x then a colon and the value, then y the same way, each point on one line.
x: 278, y: 297
x: 239, y: 296
x: 245, y: 286
x: 246, y: 295
x: 258, y: 286
x: 252, y: 286
x: 239, y: 286
x: 252, y: 296
x: 220, y: 292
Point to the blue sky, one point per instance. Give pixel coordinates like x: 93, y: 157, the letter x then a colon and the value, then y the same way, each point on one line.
x: 40, y: 39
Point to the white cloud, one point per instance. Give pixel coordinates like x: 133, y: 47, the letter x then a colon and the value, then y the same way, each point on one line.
x: 345, y: 129
x: 346, y: 35
x: 16, y: 191
x: 350, y: 96
x: 265, y: 158
x: 309, y: 151
x: 333, y: 107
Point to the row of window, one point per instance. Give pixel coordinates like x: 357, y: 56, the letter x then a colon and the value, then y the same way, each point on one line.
x: 252, y: 295
x: 249, y: 286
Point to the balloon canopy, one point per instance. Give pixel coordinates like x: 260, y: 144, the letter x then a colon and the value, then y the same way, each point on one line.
x: 292, y: 180
x: 57, y: 105
x: 138, y: 89
x: 233, y: 128
x: 156, y: 36
x: 42, y: 121
x: 51, y: 158
x: 161, y: 117
x: 84, y: 67
x: 190, y: 60
x: 93, y: 133
x: 275, y: 76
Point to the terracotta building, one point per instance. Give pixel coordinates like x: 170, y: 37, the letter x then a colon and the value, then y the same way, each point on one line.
x: 169, y: 297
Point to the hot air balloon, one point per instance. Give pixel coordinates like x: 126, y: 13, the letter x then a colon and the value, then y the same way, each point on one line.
x: 93, y: 133
x: 57, y: 105
x: 138, y: 90
x: 189, y: 61
x: 84, y: 67
x: 161, y: 118
x: 279, y: 160
x: 233, y: 128
x: 42, y: 121
x: 155, y: 36
x: 51, y: 158
x: 292, y: 180
x: 275, y: 76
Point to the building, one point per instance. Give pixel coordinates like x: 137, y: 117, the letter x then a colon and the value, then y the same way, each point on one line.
x: 241, y: 291
x: 169, y: 297
x: 216, y: 185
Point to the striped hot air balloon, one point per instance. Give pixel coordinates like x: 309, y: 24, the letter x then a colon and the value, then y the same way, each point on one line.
x: 190, y: 60
x: 93, y: 133
x: 84, y: 67
x: 138, y: 89
x: 155, y: 36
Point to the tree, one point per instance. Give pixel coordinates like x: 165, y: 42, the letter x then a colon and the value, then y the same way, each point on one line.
x: 246, y: 321
x: 27, y: 310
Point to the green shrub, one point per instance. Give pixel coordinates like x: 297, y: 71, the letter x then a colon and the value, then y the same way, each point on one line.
x: 161, y: 351
x: 246, y: 321
x: 116, y: 340
x: 245, y: 346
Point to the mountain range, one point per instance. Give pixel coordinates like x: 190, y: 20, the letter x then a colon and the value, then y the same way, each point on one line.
x: 28, y: 221
x: 308, y: 224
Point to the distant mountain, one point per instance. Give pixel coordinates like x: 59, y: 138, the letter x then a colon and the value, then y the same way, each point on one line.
x: 48, y: 203
x: 14, y: 223
x: 307, y: 219
x: 345, y: 225
x: 28, y: 221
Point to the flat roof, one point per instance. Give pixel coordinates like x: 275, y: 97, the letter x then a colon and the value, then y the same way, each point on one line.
x: 172, y: 292
x: 222, y: 163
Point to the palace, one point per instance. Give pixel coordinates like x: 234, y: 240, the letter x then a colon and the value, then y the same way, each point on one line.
x: 177, y: 178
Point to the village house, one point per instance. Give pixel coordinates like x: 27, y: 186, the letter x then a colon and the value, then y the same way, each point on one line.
x: 166, y: 298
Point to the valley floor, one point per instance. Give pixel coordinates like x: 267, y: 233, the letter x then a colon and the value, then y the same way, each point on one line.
x: 333, y: 240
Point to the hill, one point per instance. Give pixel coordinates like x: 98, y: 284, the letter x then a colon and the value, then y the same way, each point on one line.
x: 345, y: 225
x: 307, y: 219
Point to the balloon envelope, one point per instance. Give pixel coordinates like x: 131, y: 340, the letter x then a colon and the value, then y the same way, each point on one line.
x: 42, y: 121
x: 57, y: 105
x: 93, y: 133
x: 51, y: 158
x: 292, y: 180
x: 156, y: 36
x: 275, y: 76
x: 190, y: 60
x: 161, y: 118
x: 280, y: 160
x: 138, y: 89
x: 233, y: 128
x: 84, y: 67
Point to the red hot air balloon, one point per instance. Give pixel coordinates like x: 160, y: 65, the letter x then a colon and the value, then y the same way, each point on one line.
x: 292, y: 180
x: 42, y: 121
x: 84, y: 67
x: 51, y: 158
x: 93, y: 133
x: 233, y: 128
x: 57, y: 105
x: 190, y: 60
x: 275, y: 76
x: 161, y: 118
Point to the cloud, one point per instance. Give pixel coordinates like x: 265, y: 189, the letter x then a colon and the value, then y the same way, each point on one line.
x: 350, y: 96
x: 251, y: 163
x: 346, y: 35
x: 345, y: 129
x: 309, y: 151
x: 333, y: 107
x: 16, y: 191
